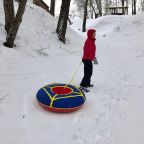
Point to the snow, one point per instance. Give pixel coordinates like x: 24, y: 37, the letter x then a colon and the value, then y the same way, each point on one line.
x: 113, y: 111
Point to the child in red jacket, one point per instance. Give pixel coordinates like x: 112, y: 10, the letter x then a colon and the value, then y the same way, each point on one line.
x: 89, y: 55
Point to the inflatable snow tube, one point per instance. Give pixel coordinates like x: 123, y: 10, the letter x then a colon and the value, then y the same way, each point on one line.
x: 60, y: 98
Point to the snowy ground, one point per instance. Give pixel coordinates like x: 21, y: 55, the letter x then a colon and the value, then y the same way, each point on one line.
x: 113, y: 112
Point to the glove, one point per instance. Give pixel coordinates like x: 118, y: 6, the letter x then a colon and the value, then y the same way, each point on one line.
x: 95, y: 61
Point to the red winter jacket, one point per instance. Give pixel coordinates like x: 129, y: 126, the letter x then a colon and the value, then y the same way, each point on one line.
x: 89, y: 50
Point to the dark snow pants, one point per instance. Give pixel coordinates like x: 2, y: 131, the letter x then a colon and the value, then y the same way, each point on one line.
x: 88, y: 70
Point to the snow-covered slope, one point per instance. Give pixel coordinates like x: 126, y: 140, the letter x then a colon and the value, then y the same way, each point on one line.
x: 38, y: 32
x: 113, y: 112
x: 120, y: 51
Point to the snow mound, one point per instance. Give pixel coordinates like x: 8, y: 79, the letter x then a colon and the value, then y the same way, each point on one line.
x: 112, y: 23
x: 37, y: 33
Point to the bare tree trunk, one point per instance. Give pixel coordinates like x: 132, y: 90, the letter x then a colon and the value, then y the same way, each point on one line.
x: 142, y: 5
x: 99, y: 6
x: 133, y: 7
x: 52, y: 8
x: 92, y: 12
x: 96, y: 15
x: 15, y: 25
x: 69, y: 20
x: 85, y: 16
x: 106, y: 7
x: 41, y: 4
x: 122, y: 1
x: 9, y: 13
x: 63, y: 18
x: 91, y: 8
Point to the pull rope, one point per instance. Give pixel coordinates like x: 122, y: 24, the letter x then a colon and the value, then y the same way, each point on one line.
x: 73, y: 75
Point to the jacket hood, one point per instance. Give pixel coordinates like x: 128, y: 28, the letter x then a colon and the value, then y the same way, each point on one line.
x: 90, y: 34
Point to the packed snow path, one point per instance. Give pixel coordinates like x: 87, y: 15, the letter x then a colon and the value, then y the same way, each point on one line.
x: 113, y: 112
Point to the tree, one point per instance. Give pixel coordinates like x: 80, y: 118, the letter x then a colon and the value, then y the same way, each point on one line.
x: 14, y: 26
x: 41, y: 4
x: 52, y: 8
x: 94, y: 7
x: 80, y: 6
x: 142, y: 5
x: 122, y: 1
x: 99, y: 6
x: 133, y: 7
x: 85, y: 16
x: 63, y: 18
x: 9, y: 13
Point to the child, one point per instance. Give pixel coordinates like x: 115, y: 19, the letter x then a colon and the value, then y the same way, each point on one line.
x: 89, y: 55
